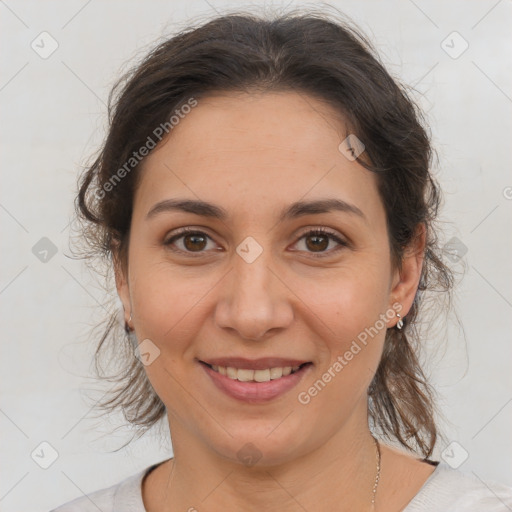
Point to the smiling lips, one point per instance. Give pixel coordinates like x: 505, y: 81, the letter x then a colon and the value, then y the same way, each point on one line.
x: 259, y: 370
x: 255, y: 381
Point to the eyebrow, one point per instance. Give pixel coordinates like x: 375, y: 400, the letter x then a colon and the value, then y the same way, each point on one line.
x: 295, y: 210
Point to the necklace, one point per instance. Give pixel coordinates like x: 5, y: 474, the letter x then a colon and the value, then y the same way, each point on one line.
x: 377, y: 476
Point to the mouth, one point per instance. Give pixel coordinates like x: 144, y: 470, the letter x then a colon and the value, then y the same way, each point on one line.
x: 255, y: 382
x: 250, y: 375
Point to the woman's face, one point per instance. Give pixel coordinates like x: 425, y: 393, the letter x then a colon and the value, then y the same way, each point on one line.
x: 249, y: 284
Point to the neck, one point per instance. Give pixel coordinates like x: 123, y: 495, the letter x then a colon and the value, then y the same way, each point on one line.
x: 338, y: 475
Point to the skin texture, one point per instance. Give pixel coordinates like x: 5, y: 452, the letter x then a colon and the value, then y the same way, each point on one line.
x: 253, y: 155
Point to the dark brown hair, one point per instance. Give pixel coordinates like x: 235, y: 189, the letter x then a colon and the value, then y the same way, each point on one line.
x: 315, y: 55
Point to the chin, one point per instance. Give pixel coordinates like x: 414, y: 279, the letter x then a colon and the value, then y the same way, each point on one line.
x: 262, y: 443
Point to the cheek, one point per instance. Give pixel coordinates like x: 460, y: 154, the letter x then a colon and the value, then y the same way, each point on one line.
x: 170, y: 309
x: 352, y: 309
x: 350, y: 354
x: 167, y: 303
x: 351, y: 298
x: 160, y: 297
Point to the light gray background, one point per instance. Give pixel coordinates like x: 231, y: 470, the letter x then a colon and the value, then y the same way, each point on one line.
x: 53, y: 117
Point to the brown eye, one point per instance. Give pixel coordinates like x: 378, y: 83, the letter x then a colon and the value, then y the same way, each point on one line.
x: 194, y: 242
x: 188, y: 241
x: 318, y: 240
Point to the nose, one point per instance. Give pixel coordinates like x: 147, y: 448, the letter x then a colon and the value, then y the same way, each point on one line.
x: 254, y: 301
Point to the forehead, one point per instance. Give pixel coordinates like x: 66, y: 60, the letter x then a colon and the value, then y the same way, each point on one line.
x: 283, y: 122
x: 251, y: 152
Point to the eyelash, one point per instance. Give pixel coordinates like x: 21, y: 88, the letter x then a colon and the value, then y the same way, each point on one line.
x: 317, y: 231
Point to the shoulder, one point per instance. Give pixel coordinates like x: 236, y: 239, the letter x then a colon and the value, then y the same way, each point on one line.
x: 124, y: 496
x: 452, y: 490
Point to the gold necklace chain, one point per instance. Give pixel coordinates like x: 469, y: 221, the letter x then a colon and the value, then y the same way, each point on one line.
x: 377, y: 476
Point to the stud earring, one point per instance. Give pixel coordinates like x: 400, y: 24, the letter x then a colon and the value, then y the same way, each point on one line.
x: 400, y: 322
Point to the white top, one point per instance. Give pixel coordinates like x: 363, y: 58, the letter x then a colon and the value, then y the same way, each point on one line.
x: 446, y: 490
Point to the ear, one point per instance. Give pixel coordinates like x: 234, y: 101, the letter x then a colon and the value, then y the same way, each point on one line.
x: 406, y: 280
x: 121, y: 277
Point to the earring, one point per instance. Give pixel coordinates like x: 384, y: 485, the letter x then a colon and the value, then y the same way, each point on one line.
x: 127, y: 327
x: 400, y: 322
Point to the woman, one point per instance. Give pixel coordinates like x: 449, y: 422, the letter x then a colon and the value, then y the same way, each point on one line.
x: 264, y: 195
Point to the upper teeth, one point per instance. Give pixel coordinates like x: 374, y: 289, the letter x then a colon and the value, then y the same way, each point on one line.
x: 244, y: 375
